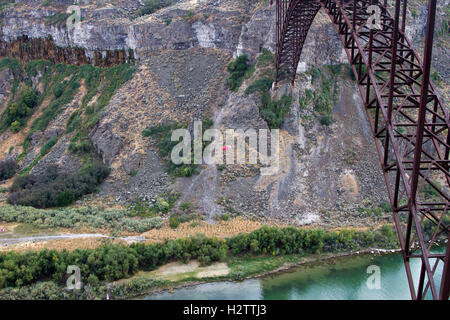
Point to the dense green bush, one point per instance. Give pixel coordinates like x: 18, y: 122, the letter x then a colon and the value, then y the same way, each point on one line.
x: 54, y: 188
x: 118, y: 220
x: 106, y: 263
x: 386, y: 207
x: 174, y: 222
x: 8, y: 169
x: 48, y: 145
x: 50, y: 290
x: 186, y: 206
x: 273, y: 112
x: 59, y: 90
x: 261, y: 85
x: 29, y: 97
x: 275, y: 241
x: 18, y: 111
x: 326, y: 119
x: 238, y: 69
x: 16, y: 126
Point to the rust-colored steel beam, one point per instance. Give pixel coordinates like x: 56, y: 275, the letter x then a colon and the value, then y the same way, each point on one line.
x: 294, y: 18
x: 409, y: 123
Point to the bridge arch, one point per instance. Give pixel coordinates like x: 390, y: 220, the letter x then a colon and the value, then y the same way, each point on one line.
x: 409, y: 122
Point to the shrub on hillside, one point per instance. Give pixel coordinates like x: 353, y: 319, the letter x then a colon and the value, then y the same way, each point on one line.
x: 326, y: 119
x: 7, y: 169
x: 18, y: 111
x: 54, y: 188
x: 174, y: 222
x: 237, y: 70
x: 29, y: 97
x: 260, y: 85
x: 59, y: 90
x: 274, y: 111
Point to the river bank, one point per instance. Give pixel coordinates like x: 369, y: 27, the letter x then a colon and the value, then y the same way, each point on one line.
x: 268, y: 266
x: 260, y: 251
x: 345, y: 278
x: 146, y: 284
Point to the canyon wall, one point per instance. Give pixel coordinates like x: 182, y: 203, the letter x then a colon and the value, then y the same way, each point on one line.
x: 328, y: 172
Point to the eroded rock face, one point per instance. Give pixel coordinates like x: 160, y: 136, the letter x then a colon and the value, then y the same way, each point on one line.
x: 110, y: 34
x: 322, y: 45
x: 106, y: 143
x: 44, y: 22
x: 258, y: 33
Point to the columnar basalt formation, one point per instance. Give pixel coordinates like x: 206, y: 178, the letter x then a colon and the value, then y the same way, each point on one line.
x: 27, y: 49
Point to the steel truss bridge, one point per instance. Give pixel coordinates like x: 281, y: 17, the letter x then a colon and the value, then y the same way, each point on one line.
x: 409, y: 122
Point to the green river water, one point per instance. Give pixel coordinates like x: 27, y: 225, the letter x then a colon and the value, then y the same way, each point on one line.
x: 340, y: 278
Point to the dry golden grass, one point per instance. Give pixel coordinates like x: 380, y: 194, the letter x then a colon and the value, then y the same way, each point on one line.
x: 222, y: 229
x: 59, y: 245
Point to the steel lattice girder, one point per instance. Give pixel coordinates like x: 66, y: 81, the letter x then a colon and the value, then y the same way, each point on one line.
x: 409, y: 122
x: 294, y: 19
